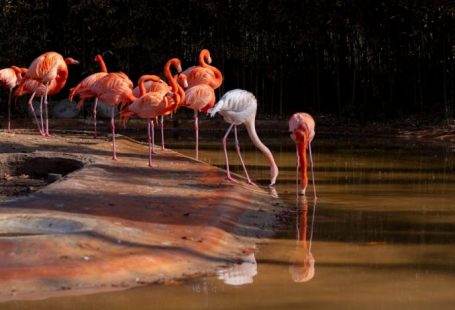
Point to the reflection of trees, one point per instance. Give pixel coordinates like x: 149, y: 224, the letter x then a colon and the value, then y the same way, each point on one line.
x: 302, y: 261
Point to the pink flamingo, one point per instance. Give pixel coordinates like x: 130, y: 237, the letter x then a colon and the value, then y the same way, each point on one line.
x: 163, y: 88
x: 301, y: 127
x: 154, y: 104
x: 199, y: 98
x: 10, y: 78
x: 114, y: 89
x: 238, y: 107
x: 51, y: 70
x: 200, y: 95
x: 204, y: 73
x: 83, y: 88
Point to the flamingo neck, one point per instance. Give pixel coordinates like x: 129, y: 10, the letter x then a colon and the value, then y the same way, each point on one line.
x: 251, y: 129
x: 143, y: 79
x: 301, y: 150
x: 218, y: 76
x: 102, y: 64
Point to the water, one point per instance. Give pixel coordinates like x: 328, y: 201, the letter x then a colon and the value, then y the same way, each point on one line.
x: 382, y: 235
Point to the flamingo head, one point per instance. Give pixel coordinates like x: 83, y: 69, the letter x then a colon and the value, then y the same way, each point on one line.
x: 205, y: 54
x: 98, y: 58
x: 71, y: 61
x: 182, y: 80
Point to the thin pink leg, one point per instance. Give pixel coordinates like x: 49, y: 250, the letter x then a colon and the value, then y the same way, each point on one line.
x: 9, y: 110
x: 312, y: 170
x: 46, y: 133
x: 226, y: 155
x: 94, y: 116
x: 162, y: 133
x: 43, y: 131
x: 114, y: 149
x: 150, y: 125
x: 196, y: 129
x: 297, y: 175
x: 237, y: 147
x: 30, y: 104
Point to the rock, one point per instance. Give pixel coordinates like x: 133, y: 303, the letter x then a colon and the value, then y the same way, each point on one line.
x: 64, y: 109
x: 104, y: 110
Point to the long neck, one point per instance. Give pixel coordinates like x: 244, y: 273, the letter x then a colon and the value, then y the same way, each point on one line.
x: 301, y: 150
x: 143, y: 79
x: 102, y: 64
x: 251, y: 128
x: 218, y: 76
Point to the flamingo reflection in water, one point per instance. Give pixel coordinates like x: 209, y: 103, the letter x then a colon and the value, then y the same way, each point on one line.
x: 242, y: 273
x: 302, y: 261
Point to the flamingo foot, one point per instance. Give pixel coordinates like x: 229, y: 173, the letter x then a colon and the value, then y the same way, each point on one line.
x: 115, y: 158
x: 152, y: 165
x: 252, y: 183
x: 231, y: 179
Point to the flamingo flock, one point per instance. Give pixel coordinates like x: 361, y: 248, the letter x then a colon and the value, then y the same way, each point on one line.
x: 153, y: 98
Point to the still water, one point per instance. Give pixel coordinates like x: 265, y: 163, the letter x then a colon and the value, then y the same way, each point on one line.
x: 380, y: 236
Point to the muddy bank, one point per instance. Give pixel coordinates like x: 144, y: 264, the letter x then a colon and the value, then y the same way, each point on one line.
x: 96, y: 224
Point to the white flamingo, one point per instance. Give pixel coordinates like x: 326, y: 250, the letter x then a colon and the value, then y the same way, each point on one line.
x: 238, y: 107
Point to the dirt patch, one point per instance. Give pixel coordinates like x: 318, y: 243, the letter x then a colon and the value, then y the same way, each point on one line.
x: 22, y: 174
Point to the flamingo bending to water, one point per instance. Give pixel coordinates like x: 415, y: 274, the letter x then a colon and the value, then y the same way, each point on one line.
x: 10, y: 78
x: 83, y: 88
x: 51, y: 70
x: 238, y: 107
x: 301, y: 127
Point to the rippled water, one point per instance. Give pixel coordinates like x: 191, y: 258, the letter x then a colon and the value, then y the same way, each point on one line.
x: 381, y: 235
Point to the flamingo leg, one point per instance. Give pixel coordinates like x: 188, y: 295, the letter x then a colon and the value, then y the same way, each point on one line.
x: 30, y: 104
x: 43, y: 133
x: 229, y: 177
x: 196, y: 129
x: 46, y: 133
x: 150, y: 129
x: 297, y: 169
x: 237, y: 147
x: 94, y: 115
x: 312, y: 170
x: 153, y: 136
x: 9, y: 110
x: 114, y: 149
x: 162, y: 133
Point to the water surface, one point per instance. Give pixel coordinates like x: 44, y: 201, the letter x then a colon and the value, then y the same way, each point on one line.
x: 382, y: 235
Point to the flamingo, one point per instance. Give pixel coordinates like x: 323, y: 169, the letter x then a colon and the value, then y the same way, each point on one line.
x: 204, y: 73
x: 154, y: 104
x: 199, y: 98
x: 83, y: 88
x: 163, y: 88
x: 200, y: 95
x: 301, y: 127
x: 51, y: 70
x: 10, y: 78
x: 114, y: 89
x: 238, y: 107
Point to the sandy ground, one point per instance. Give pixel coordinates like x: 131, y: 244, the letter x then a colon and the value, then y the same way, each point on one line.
x: 112, y: 225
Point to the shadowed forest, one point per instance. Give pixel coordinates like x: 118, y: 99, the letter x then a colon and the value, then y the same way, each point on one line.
x: 364, y: 59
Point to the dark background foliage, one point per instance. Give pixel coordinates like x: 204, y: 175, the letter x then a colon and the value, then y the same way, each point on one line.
x: 371, y: 60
